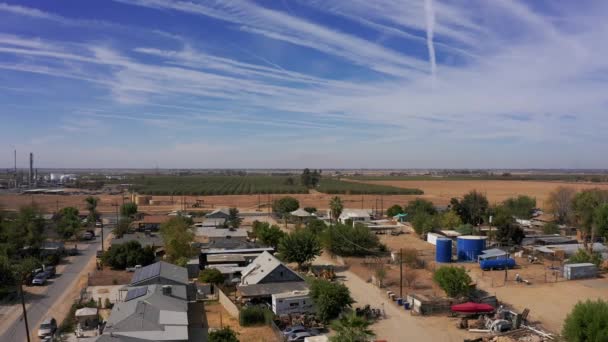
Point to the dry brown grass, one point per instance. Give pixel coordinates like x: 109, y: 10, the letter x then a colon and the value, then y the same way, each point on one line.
x: 218, y: 317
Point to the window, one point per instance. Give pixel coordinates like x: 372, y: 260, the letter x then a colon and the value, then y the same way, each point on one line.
x: 294, y: 304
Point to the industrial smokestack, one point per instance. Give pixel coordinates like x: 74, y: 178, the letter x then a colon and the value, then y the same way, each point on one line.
x: 31, y: 168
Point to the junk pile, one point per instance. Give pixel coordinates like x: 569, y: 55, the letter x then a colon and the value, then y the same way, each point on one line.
x: 369, y: 313
x: 504, y: 326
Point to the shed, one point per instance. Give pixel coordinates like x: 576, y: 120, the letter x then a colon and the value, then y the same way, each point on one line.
x: 580, y: 271
x: 87, y: 318
x: 492, y: 254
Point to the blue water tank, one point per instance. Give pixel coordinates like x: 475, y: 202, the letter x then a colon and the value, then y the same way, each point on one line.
x: 443, y: 252
x: 497, y: 264
x: 469, y: 247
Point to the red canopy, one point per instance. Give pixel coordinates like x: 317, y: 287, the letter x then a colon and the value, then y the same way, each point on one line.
x: 471, y: 307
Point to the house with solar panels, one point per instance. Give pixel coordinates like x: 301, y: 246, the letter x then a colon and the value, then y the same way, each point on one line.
x: 149, y: 313
x: 163, y: 273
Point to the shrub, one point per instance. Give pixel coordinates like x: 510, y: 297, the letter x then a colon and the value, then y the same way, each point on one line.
x: 588, y: 321
x: 107, y: 304
x: 550, y: 228
x: 226, y: 334
x: 330, y: 298
x: 254, y: 315
x: 583, y: 256
x: 211, y: 275
x: 453, y: 280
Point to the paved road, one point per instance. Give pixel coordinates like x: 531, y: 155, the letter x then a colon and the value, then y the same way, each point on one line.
x: 40, y: 304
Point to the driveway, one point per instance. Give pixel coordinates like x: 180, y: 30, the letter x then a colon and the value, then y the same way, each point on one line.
x: 50, y: 301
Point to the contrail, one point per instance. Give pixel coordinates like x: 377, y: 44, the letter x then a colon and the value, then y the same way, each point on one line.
x: 430, y: 27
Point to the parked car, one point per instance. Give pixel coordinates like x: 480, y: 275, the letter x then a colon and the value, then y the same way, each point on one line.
x: 40, y: 279
x: 47, y: 328
x: 298, y: 337
x: 133, y: 269
x: 88, y: 236
x: 50, y: 271
x: 293, y: 329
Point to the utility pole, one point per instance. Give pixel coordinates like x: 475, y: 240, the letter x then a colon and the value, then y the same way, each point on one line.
x: 401, y: 273
x: 27, y: 328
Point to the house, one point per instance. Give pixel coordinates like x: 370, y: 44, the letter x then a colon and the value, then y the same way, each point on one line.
x: 230, y: 251
x: 149, y: 313
x: 215, y: 234
x: 145, y: 239
x: 302, y: 215
x: 292, y: 303
x: 265, y: 276
x: 210, y: 223
x: 219, y: 213
x: 160, y: 273
x: 355, y: 215
x: 150, y: 222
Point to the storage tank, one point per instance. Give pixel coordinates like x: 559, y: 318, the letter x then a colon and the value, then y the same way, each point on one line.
x: 443, y: 252
x: 469, y: 247
x: 497, y: 264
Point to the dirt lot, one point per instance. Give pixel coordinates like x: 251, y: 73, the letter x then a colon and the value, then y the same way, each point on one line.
x: 441, y: 191
x: 548, y: 297
x: 217, y: 317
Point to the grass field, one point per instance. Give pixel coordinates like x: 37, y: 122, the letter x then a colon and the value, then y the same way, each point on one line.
x: 245, y: 185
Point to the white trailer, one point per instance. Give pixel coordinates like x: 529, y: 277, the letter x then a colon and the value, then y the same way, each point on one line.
x: 292, y: 302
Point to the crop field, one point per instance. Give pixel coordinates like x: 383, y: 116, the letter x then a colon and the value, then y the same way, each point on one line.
x: 244, y: 185
x: 218, y: 185
x: 334, y: 186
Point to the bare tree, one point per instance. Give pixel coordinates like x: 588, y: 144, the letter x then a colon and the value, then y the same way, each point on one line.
x: 410, y: 276
x: 560, y: 203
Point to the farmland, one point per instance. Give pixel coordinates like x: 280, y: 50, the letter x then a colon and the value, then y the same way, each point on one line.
x: 243, y: 185
x: 334, y: 186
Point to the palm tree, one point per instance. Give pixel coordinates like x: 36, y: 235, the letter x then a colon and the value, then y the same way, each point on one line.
x: 351, y: 328
x: 91, y: 203
x: 335, y: 206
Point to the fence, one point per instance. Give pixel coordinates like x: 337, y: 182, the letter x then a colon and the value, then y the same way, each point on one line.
x: 227, y: 303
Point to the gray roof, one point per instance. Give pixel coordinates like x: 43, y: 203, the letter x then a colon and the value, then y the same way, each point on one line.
x: 143, y: 239
x: 300, y: 213
x: 259, y: 268
x: 229, y: 244
x: 492, y: 253
x: 213, y: 232
x: 163, y: 270
x: 152, y: 316
x: 271, y: 288
x: 225, y: 211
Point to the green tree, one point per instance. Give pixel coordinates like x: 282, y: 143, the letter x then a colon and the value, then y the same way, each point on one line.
x: 270, y: 235
x: 310, y: 179
x: 330, y: 298
x: 211, y: 275
x: 25, y: 229
x: 450, y: 219
x: 234, y: 220
x: 393, y: 210
x: 507, y: 231
x: 301, y: 246
x: 454, y: 281
x: 128, y: 254
x: 91, y: 204
x: 520, y: 206
x: 351, y: 328
x: 283, y: 206
x: 550, y: 228
x: 310, y: 210
x: 346, y: 240
x: 588, y: 321
x: 419, y: 206
x: 424, y: 223
x: 122, y: 228
x: 465, y: 229
x: 177, y: 236
x: 225, y: 334
x: 67, y: 222
x: 472, y: 208
x: 335, y: 208
x: 128, y: 209
x: 584, y: 256
x: 585, y: 204
x: 600, y: 220
x: 316, y: 226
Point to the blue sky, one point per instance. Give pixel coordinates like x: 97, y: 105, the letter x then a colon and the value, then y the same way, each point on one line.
x: 304, y: 83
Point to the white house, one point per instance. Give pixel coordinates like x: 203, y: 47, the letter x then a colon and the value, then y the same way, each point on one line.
x: 292, y: 302
x: 356, y: 215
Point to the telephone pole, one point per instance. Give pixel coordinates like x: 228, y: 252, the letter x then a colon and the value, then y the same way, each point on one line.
x: 400, y: 272
x: 27, y: 328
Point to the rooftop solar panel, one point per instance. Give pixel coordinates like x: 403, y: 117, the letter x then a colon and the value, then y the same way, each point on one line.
x: 146, y: 272
x: 136, y: 293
